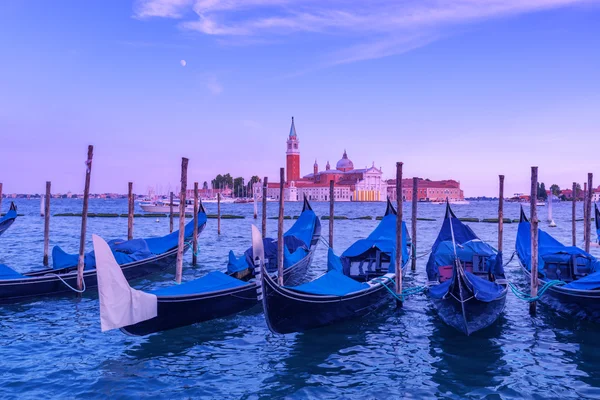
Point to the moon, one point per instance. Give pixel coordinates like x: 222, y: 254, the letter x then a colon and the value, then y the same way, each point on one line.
x: 183, y: 63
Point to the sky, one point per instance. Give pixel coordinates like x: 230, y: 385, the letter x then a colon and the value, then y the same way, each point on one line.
x: 455, y: 89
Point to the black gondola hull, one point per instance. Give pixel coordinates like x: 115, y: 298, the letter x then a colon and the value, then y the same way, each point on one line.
x: 288, y: 311
x: 51, y: 282
x: 569, y: 300
x: 177, y: 311
x: 467, y: 314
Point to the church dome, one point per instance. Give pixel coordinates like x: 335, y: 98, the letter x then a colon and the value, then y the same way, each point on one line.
x: 344, y: 164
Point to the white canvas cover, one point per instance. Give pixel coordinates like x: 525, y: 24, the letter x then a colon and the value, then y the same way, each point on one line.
x: 120, y: 305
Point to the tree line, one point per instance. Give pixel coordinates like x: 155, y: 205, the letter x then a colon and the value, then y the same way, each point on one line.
x: 238, y: 185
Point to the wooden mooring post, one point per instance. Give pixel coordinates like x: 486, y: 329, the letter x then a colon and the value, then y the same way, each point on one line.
x: 534, y: 239
x: 500, y: 212
x: 84, y: 212
x: 399, y: 234
x: 280, y: 229
x: 413, y: 225
x: 574, y: 215
x: 47, y: 222
x: 264, y: 207
x: 130, y: 208
x: 218, y: 213
x: 195, y: 234
x: 585, y: 196
x: 588, y: 212
x: 0, y: 198
x: 171, y: 213
x: 181, y: 242
x: 331, y: 213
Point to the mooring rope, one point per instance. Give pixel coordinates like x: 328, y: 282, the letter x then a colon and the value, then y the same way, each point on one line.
x: 325, y: 242
x: 405, y: 292
x: 69, y: 286
x: 526, y: 297
x: 422, y: 255
x: 511, y: 258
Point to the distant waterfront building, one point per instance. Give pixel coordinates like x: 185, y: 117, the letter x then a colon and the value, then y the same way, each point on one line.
x: 350, y: 184
x: 427, y: 190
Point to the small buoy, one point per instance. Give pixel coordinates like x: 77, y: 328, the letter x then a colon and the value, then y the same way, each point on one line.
x: 552, y: 224
x: 157, y: 220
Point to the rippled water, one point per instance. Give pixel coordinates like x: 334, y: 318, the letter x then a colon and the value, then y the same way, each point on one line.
x: 54, y: 348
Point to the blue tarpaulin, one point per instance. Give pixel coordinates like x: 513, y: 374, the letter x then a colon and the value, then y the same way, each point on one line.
x: 383, y: 238
x: 7, y: 220
x: 334, y: 263
x: 210, y: 282
x: 127, y: 251
x: 552, y: 253
x: 303, y: 228
x: 467, y: 246
x: 333, y: 283
x: 9, y: 273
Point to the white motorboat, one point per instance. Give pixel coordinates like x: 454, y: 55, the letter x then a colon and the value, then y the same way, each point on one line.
x: 165, y: 206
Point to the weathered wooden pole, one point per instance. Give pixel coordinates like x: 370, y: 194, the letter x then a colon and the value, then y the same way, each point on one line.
x: 574, y: 215
x: 254, y: 201
x: 588, y: 212
x: 264, y: 207
x: 47, y: 222
x: 86, y: 197
x: 218, y: 213
x: 131, y: 205
x: 534, y: 239
x: 0, y: 198
x: 171, y: 213
x: 195, y: 235
x: 181, y: 242
x: 331, y: 212
x: 415, y: 200
x: 585, y: 194
x: 500, y: 212
x: 280, y: 243
x: 399, y: 234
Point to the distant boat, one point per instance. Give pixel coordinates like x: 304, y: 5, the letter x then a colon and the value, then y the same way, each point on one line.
x: 165, y: 206
x: 224, y: 200
x: 453, y: 202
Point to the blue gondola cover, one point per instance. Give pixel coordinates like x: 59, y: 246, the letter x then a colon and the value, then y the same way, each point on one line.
x: 8, y: 273
x: 333, y: 283
x: 210, y: 282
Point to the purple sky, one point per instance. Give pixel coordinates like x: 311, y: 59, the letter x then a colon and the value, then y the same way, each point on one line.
x: 460, y: 89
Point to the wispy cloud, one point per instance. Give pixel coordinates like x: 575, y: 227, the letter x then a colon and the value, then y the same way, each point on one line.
x: 374, y: 29
x: 212, y: 84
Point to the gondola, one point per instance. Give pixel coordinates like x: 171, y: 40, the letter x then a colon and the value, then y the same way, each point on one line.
x: 137, y: 258
x: 579, y: 270
x: 466, y: 281
x: 216, y: 294
x: 358, y: 282
x: 7, y: 220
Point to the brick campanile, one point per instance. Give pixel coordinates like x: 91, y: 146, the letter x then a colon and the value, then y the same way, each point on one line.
x: 292, y: 155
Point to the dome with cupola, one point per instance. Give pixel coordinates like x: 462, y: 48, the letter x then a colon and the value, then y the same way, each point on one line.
x: 344, y: 164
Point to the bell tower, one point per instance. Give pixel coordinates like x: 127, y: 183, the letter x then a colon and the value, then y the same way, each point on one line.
x: 293, y: 155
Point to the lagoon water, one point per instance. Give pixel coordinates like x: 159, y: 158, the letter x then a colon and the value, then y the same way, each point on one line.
x: 53, y: 347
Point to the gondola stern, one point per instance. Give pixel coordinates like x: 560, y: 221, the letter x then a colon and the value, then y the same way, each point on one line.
x: 390, y: 208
